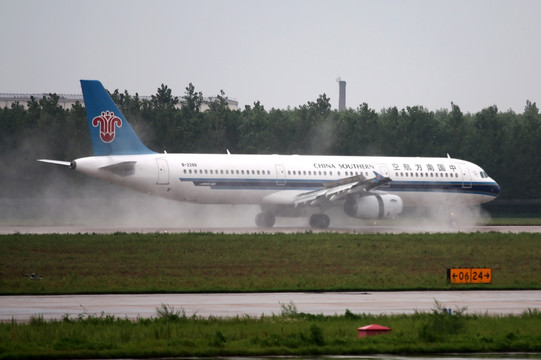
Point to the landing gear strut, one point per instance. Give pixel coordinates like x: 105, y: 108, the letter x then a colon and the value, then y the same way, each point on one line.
x: 265, y: 219
x: 320, y: 221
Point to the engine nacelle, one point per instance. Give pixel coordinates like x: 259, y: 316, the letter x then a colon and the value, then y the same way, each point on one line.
x: 374, y: 206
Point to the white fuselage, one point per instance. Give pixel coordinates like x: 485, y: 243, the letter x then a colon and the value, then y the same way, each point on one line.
x: 278, y: 179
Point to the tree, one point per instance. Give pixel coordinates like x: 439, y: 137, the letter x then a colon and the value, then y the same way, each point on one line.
x: 164, y: 98
x: 254, y: 130
x: 191, y: 101
x: 222, y: 125
x: 357, y: 132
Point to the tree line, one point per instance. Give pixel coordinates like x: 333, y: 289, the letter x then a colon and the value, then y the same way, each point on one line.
x: 505, y: 144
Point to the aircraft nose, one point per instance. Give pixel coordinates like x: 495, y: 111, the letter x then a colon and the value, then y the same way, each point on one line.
x: 496, y: 189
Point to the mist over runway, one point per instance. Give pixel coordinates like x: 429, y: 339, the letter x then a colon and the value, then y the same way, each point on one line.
x: 131, y: 212
x: 103, y: 208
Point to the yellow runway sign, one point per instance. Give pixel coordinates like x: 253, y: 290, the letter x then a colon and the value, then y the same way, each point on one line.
x: 469, y: 275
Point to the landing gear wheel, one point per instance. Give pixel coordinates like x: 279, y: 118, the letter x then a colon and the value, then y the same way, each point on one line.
x: 320, y: 221
x: 265, y: 219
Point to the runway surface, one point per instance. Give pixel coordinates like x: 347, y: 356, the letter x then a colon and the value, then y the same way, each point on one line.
x: 412, y: 229
x: 21, y: 308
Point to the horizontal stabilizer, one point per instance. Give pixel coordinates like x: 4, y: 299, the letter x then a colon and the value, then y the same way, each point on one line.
x: 56, y: 162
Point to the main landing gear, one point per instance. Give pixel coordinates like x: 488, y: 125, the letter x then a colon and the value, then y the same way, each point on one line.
x: 317, y: 221
x: 320, y: 221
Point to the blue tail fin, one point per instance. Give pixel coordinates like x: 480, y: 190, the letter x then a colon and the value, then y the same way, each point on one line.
x: 110, y: 132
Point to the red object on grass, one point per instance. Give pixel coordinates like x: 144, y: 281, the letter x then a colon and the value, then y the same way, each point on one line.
x: 371, y: 330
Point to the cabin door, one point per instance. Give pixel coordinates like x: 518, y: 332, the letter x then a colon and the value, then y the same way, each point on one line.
x: 163, y: 172
x: 280, y: 174
x: 466, y: 176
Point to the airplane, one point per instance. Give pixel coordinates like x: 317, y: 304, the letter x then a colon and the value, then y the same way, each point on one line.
x: 365, y: 187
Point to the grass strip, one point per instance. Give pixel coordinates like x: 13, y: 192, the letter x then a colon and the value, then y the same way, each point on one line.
x: 206, y: 262
x: 172, y: 334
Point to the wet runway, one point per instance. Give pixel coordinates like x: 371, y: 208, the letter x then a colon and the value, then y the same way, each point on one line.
x: 411, y: 229
x: 21, y: 308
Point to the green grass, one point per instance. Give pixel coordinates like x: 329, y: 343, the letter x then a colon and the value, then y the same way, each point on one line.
x: 204, y: 262
x: 525, y: 221
x: 172, y: 334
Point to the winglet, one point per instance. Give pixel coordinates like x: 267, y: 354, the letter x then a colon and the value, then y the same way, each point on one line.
x: 379, y: 177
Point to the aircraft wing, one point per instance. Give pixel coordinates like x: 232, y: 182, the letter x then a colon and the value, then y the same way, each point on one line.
x: 341, y: 188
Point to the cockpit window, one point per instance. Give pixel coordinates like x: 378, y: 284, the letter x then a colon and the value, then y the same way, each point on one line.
x: 484, y: 175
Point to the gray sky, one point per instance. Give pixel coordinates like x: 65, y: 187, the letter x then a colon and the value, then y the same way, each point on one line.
x: 281, y: 53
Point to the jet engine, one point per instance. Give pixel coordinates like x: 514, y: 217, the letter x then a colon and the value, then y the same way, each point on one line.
x: 374, y: 206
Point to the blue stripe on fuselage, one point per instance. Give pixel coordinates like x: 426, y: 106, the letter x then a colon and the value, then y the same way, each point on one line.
x: 480, y: 188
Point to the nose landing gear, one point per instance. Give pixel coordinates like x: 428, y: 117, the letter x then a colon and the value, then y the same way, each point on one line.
x: 265, y: 220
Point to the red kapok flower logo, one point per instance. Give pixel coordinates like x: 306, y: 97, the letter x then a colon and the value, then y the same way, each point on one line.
x: 107, y: 121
